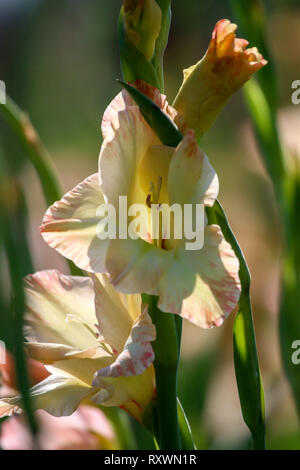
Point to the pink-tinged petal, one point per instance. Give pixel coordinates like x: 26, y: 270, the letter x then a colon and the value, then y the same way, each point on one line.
x: 137, y: 354
x: 130, y: 381
x: 120, y: 157
x: 15, y: 434
x: 114, y: 319
x: 136, y: 266
x: 60, y: 309
x: 217, y: 289
x: 191, y: 178
x: 95, y: 421
x: 70, y: 226
x: 119, y: 103
x: 83, y: 430
x: 133, y: 393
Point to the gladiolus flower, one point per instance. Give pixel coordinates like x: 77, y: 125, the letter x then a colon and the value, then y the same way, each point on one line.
x: 142, y: 21
x: 208, y: 85
x: 203, y: 286
x: 95, y: 342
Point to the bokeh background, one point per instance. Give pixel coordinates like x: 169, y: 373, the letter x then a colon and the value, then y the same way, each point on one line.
x: 59, y: 60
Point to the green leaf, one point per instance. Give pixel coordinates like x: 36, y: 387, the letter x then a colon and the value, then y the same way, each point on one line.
x: 20, y: 123
x: 156, y: 118
x: 245, y: 354
x: 12, y: 229
x: 186, y: 437
x: 261, y: 98
x: 38, y: 155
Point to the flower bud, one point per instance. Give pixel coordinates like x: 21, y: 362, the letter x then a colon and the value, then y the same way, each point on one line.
x: 142, y: 21
x: 208, y: 85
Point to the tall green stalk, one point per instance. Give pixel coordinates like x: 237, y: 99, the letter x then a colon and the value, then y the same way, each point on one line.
x: 21, y: 124
x: 244, y: 344
x: 165, y: 364
x: 261, y: 100
x: 38, y: 155
x: 13, y: 236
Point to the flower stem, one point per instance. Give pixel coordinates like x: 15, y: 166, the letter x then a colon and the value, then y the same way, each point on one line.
x: 165, y: 364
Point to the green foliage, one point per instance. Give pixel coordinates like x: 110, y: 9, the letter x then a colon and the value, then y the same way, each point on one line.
x: 261, y: 100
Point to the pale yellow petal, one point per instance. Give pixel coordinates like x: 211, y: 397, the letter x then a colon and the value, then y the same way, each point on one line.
x: 136, y: 266
x: 84, y: 369
x: 114, y: 320
x: 176, y: 284
x: 120, y: 157
x: 48, y: 353
x: 59, y: 395
x: 60, y: 309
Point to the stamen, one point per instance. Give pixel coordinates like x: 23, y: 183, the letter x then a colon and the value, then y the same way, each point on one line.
x: 155, y: 193
x: 159, y: 184
x: 148, y: 201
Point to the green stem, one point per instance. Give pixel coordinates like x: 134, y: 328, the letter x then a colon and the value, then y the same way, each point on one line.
x: 165, y: 365
x: 245, y: 352
x: 17, y: 270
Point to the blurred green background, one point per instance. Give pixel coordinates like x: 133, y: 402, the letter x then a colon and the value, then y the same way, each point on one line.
x: 59, y: 60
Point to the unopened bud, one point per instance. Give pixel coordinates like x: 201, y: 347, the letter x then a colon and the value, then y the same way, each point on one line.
x: 208, y: 85
x: 142, y: 20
